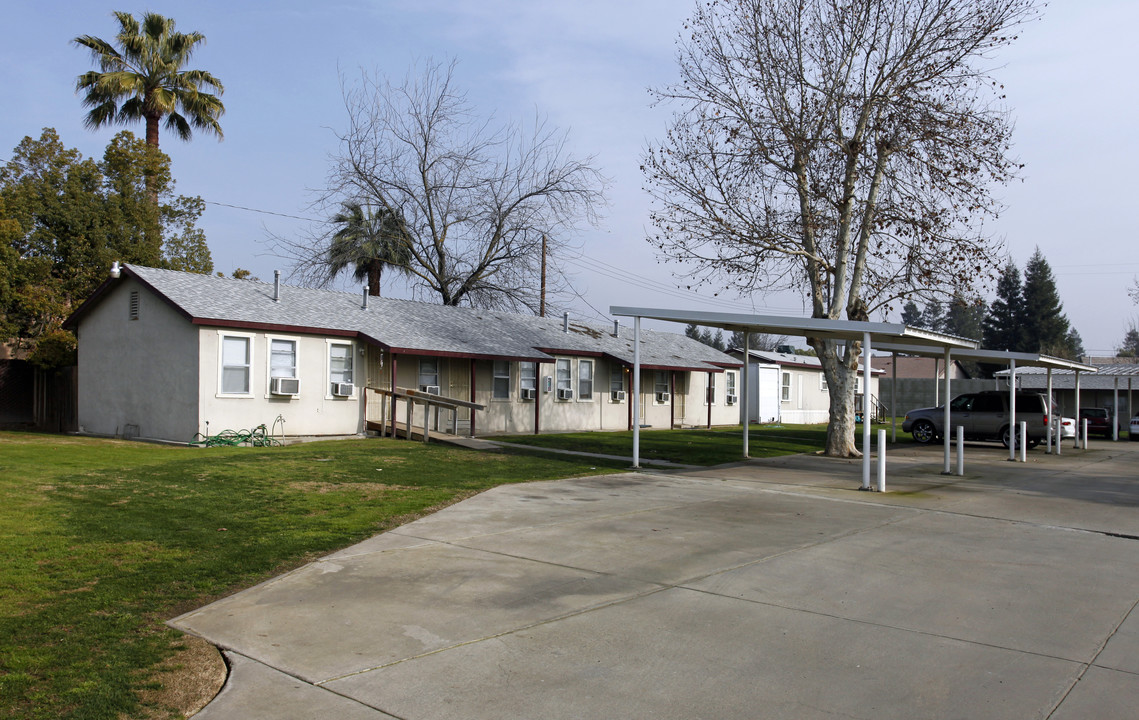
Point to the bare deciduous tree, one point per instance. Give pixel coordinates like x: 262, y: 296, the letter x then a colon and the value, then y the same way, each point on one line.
x: 844, y: 148
x: 475, y: 199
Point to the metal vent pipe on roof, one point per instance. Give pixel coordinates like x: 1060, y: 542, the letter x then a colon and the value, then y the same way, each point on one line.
x: 115, y: 269
x: 565, y: 321
x: 276, y: 286
x: 365, y: 304
x: 616, y: 328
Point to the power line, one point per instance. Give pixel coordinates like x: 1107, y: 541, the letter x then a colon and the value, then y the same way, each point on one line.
x: 262, y: 212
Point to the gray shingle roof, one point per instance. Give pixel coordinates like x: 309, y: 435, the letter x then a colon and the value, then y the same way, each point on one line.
x: 409, y: 326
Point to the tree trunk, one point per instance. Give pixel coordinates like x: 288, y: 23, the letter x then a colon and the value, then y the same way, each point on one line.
x: 840, y: 369
x: 152, y: 140
x: 374, y: 269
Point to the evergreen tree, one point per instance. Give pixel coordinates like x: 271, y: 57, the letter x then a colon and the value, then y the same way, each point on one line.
x: 692, y: 330
x: 1130, y: 345
x: 963, y: 318
x: 1044, y: 327
x: 932, y: 317
x: 1001, y: 329
x: 1076, y: 345
x: 911, y: 314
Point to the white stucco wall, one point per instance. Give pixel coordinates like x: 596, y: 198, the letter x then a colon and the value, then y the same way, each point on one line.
x: 138, y: 376
x: 315, y: 411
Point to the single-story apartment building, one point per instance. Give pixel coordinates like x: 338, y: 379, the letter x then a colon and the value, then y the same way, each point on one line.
x: 162, y: 353
x: 791, y: 388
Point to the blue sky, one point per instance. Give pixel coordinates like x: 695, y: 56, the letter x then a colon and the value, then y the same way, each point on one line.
x: 1071, y: 81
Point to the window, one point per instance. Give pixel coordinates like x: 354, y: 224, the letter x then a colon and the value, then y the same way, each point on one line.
x: 428, y: 372
x: 528, y: 376
x: 235, y: 365
x: 585, y: 379
x: 339, y: 364
x: 785, y: 388
x: 823, y: 383
x: 565, y: 380
x: 616, y: 378
x: 282, y: 358
x: 133, y: 313
x: 731, y: 383
x: 711, y: 391
x: 501, y: 379
x: 660, y: 381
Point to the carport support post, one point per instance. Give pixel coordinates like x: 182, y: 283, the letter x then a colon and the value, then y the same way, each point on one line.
x: 746, y: 411
x: 1077, y: 415
x: 637, y: 392
x: 1051, y: 413
x: 865, y: 411
x: 1012, y: 410
x: 945, y: 417
x: 1115, y: 411
x: 894, y: 400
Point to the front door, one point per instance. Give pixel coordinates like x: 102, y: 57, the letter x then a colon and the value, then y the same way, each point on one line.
x: 459, y: 385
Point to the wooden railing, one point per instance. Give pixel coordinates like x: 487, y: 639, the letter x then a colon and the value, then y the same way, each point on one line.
x: 411, y: 397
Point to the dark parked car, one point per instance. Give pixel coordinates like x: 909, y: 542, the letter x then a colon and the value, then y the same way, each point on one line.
x: 984, y: 415
x: 1099, y: 421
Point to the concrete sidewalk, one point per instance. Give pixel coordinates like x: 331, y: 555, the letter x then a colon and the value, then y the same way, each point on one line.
x: 763, y: 589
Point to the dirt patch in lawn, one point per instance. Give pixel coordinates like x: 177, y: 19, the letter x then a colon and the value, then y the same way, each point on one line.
x: 189, y: 680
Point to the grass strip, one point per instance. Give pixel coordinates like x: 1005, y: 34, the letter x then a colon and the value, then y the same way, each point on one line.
x: 101, y: 541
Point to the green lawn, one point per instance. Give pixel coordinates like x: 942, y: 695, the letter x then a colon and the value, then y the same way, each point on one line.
x: 102, y: 541
x: 691, y: 447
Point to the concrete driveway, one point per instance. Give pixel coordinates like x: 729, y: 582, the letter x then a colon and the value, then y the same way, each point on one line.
x: 768, y: 589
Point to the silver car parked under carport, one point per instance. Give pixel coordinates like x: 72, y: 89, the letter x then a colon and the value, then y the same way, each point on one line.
x: 984, y: 415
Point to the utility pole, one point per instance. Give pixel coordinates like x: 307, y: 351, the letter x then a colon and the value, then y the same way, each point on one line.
x: 542, y: 301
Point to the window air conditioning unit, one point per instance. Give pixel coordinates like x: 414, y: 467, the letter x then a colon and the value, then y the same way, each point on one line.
x: 284, y: 386
x: 529, y: 393
x: 618, y: 396
x: 732, y: 399
x: 565, y: 394
x: 663, y: 397
x: 429, y: 389
x: 343, y: 389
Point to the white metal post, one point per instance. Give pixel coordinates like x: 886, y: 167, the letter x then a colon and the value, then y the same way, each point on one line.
x: 1023, y: 441
x: 866, y: 411
x: 881, y: 461
x: 1012, y: 410
x: 637, y: 392
x: 746, y: 390
x: 945, y: 421
x: 1051, y: 413
x: 960, y: 450
x: 1077, y: 415
x: 1115, y: 412
x: 1084, y: 433
x: 1059, y: 435
x: 894, y: 401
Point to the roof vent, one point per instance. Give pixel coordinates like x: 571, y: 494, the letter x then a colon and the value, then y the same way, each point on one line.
x: 365, y: 303
x: 565, y: 321
x: 616, y: 328
x: 276, y: 286
x: 115, y: 269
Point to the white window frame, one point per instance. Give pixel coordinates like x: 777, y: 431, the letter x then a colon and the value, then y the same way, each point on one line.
x: 581, y: 395
x: 731, y: 384
x: 559, y: 384
x: 328, y: 368
x: 527, y: 377
x: 823, y: 383
x: 500, y: 370
x: 785, y: 382
x: 249, y: 346
x: 269, y: 340
x: 420, y: 373
x: 657, y: 384
x: 617, y: 381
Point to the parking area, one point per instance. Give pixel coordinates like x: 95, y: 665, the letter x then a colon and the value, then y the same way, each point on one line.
x: 761, y: 589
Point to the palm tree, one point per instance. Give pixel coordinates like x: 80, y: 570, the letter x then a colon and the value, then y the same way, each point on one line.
x: 368, y: 241
x: 144, y: 80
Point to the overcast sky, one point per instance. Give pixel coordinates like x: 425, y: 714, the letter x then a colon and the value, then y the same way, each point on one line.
x: 1071, y: 81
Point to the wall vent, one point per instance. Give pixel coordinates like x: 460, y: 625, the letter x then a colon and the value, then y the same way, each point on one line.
x: 135, y: 299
